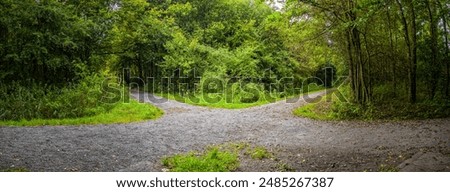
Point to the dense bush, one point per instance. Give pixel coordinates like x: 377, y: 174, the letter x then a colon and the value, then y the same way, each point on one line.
x: 86, y: 98
x: 388, y: 106
x: 326, y: 75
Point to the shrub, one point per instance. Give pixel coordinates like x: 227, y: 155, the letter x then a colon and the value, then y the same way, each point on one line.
x: 33, y: 100
x: 250, y: 93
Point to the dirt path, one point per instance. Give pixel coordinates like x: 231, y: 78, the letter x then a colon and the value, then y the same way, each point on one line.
x: 298, y: 143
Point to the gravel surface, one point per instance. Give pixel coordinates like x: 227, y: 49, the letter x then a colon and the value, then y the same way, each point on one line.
x: 299, y: 144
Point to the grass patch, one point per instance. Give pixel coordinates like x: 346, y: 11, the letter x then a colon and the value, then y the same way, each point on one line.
x: 318, y: 111
x: 16, y: 169
x: 319, y: 108
x: 259, y: 153
x: 212, y: 160
x: 121, y: 113
x: 221, y: 158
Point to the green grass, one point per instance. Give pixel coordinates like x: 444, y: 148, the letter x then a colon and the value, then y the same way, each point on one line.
x: 122, y: 113
x: 220, y: 158
x: 259, y: 153
x: 221, y: 100
x: 212, y: 160
x: 16, y: 169
x: 320, y: 109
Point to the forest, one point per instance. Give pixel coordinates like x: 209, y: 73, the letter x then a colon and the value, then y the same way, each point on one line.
x: 63, y: 59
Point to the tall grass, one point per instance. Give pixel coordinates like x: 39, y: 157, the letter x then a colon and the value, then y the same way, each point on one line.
x: 30, y: 101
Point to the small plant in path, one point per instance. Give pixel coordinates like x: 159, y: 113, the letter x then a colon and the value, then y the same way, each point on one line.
x: 213, y: 160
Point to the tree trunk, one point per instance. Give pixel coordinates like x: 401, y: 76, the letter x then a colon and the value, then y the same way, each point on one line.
x: 351, y: 62
x: 447, y: 57
x: 435, y: 68
x: 391, y: 53
x: 360, y: 89
x: 447, y: 51
x: 368, y: 70
x: 411, y: 44
x: 412, y: 74
x: 362, y: 71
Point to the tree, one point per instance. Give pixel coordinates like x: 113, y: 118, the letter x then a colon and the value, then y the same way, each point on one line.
x: 43, y: 41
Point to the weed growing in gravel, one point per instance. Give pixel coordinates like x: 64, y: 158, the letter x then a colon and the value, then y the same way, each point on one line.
x: 221, y: 158
x: 213, y: 160
x: 237, y: 147
x: 259, y: 153
x: 16, y: 169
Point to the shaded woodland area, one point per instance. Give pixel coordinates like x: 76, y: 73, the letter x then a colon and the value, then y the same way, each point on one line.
x: 392, y: 43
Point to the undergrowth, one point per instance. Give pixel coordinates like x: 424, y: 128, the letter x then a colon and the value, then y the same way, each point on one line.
x: 93, y: 100
x: 121, y: 113
x: 31, y: 100
x: 236, y: 96
x: 388, y: 106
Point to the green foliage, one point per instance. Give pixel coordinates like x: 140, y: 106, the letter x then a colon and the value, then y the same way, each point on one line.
x: 224, y: 39
x: 212, y: 160
x: 236, y: 96
x: 220, y: 158
x: 50, y: 49
x: 391, y: 104
x: 326, y: 75
x: 45, y: 41
x: 398, y: 44
x: 317, y: 111
x: 217, y: 100
x: 46, y: 102
x: 387, y: 107
x: 137, y: 39
x: 348, y: 111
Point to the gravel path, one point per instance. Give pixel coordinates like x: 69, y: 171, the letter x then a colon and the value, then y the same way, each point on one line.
x: 304, y: 144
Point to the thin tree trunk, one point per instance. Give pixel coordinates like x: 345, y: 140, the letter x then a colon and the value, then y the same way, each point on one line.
x: 447, y: 51
x: 411, y: 55
x: 391, y: 54
x: 351, y: 62
x: 447, y: 57
x: 434, y: 77
x: 368, y: 69
x: 413, y: 76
